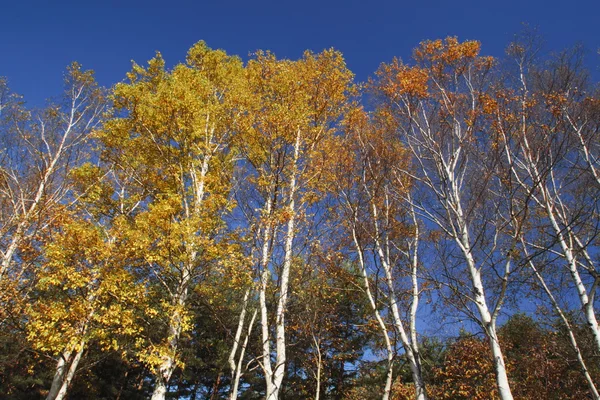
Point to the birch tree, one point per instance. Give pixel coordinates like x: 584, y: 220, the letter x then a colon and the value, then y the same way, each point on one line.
x: 83, y: 295
x: 295, y: 106
x: 240, y: 341
x: 171, y: 133
x: 38, y: 149
x: 374, y: 212
x: 438, y: 108
x: 543, y: 124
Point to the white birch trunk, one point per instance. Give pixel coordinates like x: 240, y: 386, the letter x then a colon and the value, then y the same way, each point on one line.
x: 180, y: 294
x: 569, y: 254
x: 169, y: 360
x: 59, y: 375
x: 69, y: 360
x: 546, y: 201
x: 238, y: 335
x: 236, y: 367
x: 160, y: 390
x: 408, y: 344
x: 65, y: 371
x: 279, y: 371
x: 264, y: 316
x: 70, y: 374
x: 29, y: 213
x: 9, y: 253
x: 489, y: 324
x: 51, y: 161
x: 549, y: 203
x: 388, y: 345
x: 319, y: 365
x: 421, y: 393
x: 487, y: 320
x: 565, y: 321
x: 499, y: 366
x: 448, y: 194
x: 238, y: 372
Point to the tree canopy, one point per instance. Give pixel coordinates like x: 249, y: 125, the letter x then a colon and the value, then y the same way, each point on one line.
x: 273, y: 229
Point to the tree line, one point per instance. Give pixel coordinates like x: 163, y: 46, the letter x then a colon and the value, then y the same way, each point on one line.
x: 274, y: 229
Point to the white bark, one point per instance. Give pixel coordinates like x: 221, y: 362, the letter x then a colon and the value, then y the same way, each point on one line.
x: 82, y: 116
x: 238, y: 371
x: 586, y: 303
x: 410, y: 345
x: 280, y: 344
x: 319, y: 366
x: 180, y: 293
x: 547, y: 197
x: 61, y: 369
x: 378, y: 195
x: 590, y: 159
x: 70, y: 358
x: 421, y: 393
x: 238, y: 335
x: 169, y: 360
x: 160, y: 390
x: 540, y: 182
x: 264, y: 316
x: 236, y: 367
x: 566, y: 323
x: 488, y: 320
x: 445, y: 179
x: 65, y: 371
x: 382, y: 327
x: 29, y: 212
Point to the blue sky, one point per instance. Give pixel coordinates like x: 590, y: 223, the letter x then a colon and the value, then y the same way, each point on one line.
x: 40, y: 38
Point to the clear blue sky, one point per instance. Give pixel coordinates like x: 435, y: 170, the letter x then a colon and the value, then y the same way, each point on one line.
x: 40, y: 38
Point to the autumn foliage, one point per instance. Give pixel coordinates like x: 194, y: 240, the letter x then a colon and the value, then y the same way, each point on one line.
x: 271, y: 228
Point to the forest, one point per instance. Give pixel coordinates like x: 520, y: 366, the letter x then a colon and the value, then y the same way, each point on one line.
x: 274, y: 229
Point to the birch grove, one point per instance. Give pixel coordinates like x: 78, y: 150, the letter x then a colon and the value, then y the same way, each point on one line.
x: 228, y: 228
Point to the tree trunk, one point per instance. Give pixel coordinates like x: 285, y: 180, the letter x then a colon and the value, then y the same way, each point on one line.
x: 280, y: 345
x: 409, y: 345
x: 215, y: 388
x: 31, y: 211
x: 382, y: 327
x: 166, y: 368
x: 264, y: 317
x: 489, y: 325
x: 160, y: 389
x: 236, y: 344
x: 238, y: 372
x: 319, y: 365
x: 65, y: 371
x: 565, y: 237
x: 572, y: 339
x: 421, y: 393
x: 586, y: 305
x: 180, y: 295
